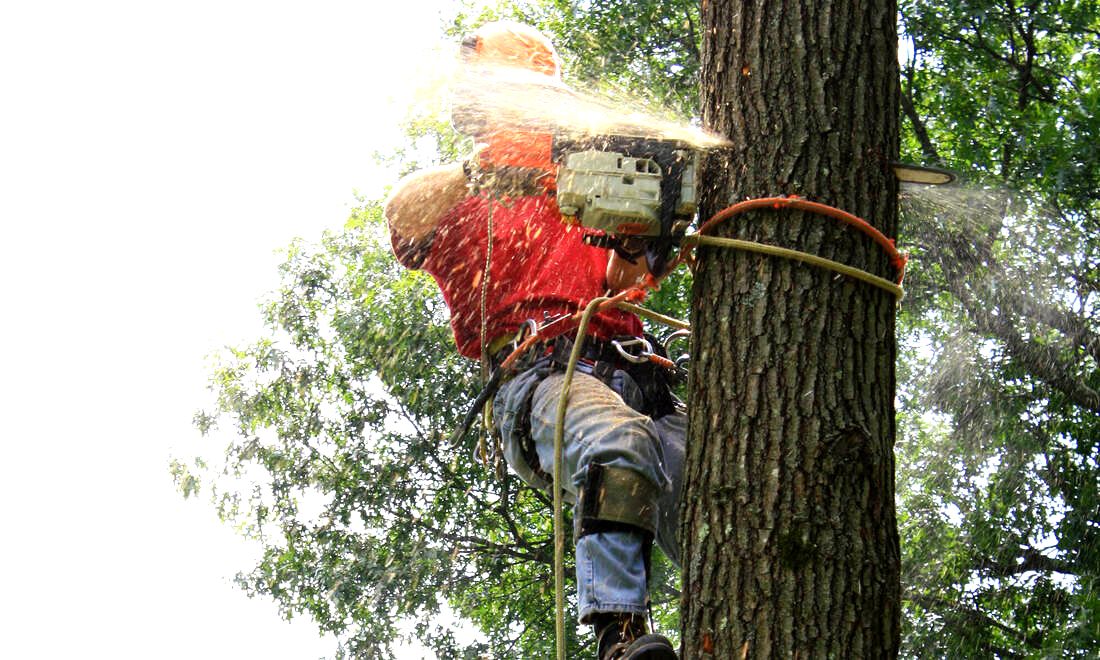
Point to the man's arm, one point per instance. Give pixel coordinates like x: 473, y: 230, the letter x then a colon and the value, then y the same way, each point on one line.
x: 621, y: 273
x: 421, y: 199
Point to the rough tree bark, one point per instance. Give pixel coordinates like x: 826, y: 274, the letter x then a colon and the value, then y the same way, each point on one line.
x: 789, y: 534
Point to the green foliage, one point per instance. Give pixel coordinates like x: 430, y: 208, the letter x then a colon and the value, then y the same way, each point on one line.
x: 998, y: 462
x: 642, y: 53
x: 650, y: 49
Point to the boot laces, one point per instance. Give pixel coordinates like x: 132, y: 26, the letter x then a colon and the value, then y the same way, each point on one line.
x: 627, y: 629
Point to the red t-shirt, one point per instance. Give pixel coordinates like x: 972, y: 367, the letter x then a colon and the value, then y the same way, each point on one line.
x: 539, y: 265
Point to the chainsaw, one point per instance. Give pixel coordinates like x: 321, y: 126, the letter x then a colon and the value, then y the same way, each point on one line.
x: 615, y: 185
x: 620, y: 187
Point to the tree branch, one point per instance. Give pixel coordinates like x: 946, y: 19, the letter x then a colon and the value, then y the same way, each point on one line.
x: 976, y: 617
x: 1033, y: 560
x: 1039, y: 360
x: 1072, y: 326
x: 1024, y: 70
x: 692, y: 41
x: 919, y: 127
x: 994, y: 313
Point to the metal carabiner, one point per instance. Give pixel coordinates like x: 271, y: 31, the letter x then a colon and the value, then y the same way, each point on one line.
x: 529, y: 328
x: 642, y: 357
x: 549, y: 320
x: 672, y: 338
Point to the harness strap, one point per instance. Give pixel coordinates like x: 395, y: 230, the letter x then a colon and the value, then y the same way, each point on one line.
x: 599, y: 359
x: 602, y: 359
x: 616, y: 499
x: 599, y: 356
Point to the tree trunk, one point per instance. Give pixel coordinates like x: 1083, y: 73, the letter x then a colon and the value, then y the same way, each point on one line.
x: 790, y: 546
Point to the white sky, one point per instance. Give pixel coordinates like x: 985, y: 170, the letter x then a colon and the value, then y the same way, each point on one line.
x: 153, y: 158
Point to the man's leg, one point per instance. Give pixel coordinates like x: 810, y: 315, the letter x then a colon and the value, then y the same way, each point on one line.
x: 602, y: 430
x: 672, y: 430
x: 614, y: 465
x: 634, y: 455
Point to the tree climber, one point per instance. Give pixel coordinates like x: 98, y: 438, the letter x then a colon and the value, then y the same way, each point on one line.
x: 623, y: 437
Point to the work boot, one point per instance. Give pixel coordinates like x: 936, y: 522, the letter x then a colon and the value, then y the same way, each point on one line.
x: 624, y: 637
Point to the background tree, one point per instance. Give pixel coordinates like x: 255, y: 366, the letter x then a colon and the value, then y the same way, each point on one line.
x: 324, y: 440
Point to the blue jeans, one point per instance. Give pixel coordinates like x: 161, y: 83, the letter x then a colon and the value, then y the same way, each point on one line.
x: 600, y: 427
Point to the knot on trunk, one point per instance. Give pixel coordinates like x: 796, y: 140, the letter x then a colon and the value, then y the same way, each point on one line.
x: 849, y: 452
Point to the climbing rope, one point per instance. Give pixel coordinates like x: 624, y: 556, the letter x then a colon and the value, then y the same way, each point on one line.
x: 812, y: 259
x: 482, y: 442
x: 594, y: 306
x: 897, y: 259
x: 559, y: 516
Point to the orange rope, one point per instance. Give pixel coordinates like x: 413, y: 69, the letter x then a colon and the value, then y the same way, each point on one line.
x: 661, y: 361
x: 897, y: 259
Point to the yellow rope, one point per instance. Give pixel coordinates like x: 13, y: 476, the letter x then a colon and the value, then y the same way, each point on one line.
x: 654, y: 316
x: 812, y: 259
x: 487, y: 409
x: 559, y: 437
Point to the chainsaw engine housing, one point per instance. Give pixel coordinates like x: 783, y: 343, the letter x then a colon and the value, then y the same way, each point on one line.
x: 611, y: 192
x: 628, y: 186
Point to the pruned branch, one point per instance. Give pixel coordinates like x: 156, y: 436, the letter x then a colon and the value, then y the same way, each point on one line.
x: 919, y: 128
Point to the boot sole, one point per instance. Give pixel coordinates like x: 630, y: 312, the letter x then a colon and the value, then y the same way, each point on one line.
x: 650, y: 647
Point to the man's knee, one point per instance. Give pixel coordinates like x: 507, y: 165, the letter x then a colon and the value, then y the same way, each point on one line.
x: 616, y: 499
